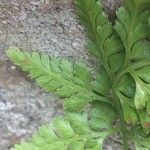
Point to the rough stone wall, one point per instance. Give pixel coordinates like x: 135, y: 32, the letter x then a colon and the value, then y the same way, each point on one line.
x: 47, y: 26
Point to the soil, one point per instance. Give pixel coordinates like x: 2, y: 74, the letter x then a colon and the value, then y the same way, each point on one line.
x: 46, y: 26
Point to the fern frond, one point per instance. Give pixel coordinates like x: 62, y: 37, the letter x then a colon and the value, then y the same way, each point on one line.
x: 133, y: 29
x: 132, y: 25
x: 72, y: 132
x: 142, y: 95
x: 68, y: 80
x: 103, y: 42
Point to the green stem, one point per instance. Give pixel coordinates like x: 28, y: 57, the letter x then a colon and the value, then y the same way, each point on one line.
x: 122, y: 121
x: 120, y: 115
x: 123, y: 128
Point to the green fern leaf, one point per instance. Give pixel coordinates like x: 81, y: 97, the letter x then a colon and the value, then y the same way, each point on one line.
x: 125, y: 91
x: 133, y: 29
x: 127, y: 86
x: 132, y: 25
x: 72, y: 132
x: 141, y: 139
x: 68, y: 80
x: 102, y: 116
x: 130, y: 113
x: 141, y: 50
x: 101, y: 85
x: 103, y: 42
x: 142, y: 95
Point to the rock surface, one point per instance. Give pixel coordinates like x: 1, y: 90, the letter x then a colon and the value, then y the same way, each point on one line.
x: 47, y: 26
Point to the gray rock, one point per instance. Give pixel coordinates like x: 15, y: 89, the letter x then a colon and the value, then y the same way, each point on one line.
x: 23, y: 106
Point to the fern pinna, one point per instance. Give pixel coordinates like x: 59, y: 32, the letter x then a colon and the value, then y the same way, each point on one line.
x: 119, y: 90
